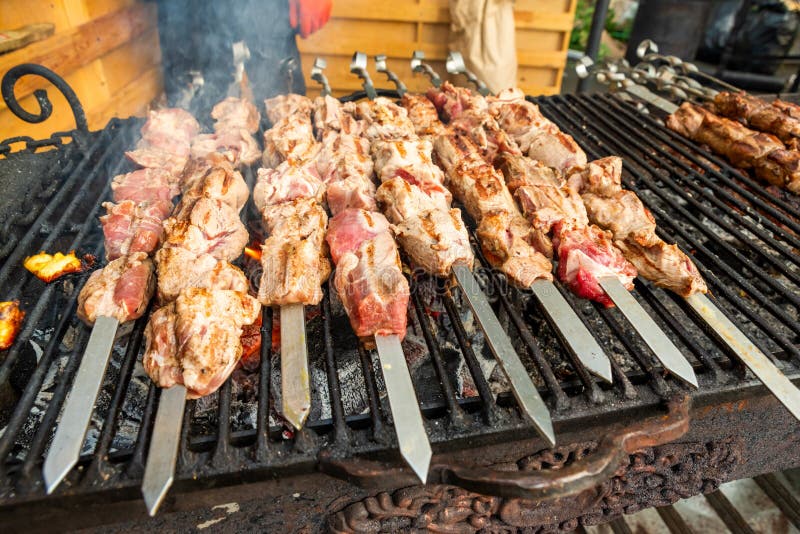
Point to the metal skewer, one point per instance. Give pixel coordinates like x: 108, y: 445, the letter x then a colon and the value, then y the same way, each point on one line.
x: 68, y: 441
x: 571, y: 330
x: 648, y: 51
x: 380, y: 66
x: 418, y: 65
x: 409, y: 427
x: 318, y: 75
x: 295, y: 384
x: 455, y: 65
x: 524, y: 391
x: 162, y: 456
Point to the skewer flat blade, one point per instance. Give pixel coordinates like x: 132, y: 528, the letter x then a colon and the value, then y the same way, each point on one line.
x: 68, y: 441
x: 163, y: 454
x: 521, y: 384
x: 414, y: 444
x: 572, y: 331
x: 295, y: 387
x: 655, y: 338
x: 755, y: 360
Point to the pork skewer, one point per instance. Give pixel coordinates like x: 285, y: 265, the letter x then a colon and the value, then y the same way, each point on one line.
x: 293, y: 256
x: 121, y: 290
x: 205, y: 232
x: 387, y: 272
x: 460, y: 159
x: 726, y: 332
x: 530, y: 132
x: 415, y: 200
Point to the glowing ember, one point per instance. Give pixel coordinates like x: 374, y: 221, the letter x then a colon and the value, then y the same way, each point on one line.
x: 254, y: 253
x: 48, y: 267
x: 10, y: 321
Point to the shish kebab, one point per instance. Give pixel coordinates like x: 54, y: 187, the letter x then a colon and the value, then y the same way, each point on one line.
x: 120, y: 291
x: 589, y: 264
x: 193, y: 341
x: 606, y: 185
x: 369, y: 279
x: 413, y: 197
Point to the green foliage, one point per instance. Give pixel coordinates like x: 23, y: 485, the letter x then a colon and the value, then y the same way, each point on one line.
x: 583, y: 22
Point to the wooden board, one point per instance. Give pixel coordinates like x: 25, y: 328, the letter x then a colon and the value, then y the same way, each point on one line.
x: 107, y: 50
x: 399, y: 27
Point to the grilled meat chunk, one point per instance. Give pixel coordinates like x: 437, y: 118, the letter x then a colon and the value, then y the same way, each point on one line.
x: 286, y: 183
x: 433, y: 238
x: 121, y: 289
x: 212, y: 227
x: 634, y: 229
x: 283, y: 106
x: 179, y: 269
x: 195, y: 340
x: 384, y: 120
x: 290, y: 139
x: 236, y: 114
x: 759, y: 115
x: 217, y: 180
x: 133, y: 227
x: 452, y: 101
x: 412, y: 161
x: 423, y: 115
x: 369, y: 278
x: 155, y: 158
x: 509, y: 243
x: 535, y: 135
x: 330, y: 115
x: 294, y: 256
x: 170, y: 130
x: 145, y: 185
x: 238, y: 146
x: 745, y: 148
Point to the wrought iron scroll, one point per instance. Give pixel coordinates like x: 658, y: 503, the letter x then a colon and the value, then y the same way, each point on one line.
x: 45, y: 105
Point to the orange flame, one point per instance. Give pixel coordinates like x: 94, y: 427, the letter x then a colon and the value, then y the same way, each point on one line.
x: 49, y: 267
x: 253, y: 253
x: 10, y: 321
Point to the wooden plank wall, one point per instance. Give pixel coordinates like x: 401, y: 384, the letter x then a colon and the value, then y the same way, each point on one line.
x: 399, y: 27
x: 107, y: 50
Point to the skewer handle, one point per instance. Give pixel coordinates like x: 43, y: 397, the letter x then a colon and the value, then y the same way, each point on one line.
x: 418, y: 65
x: 411, y: 435
x: 380, y: 66
x: 455, y: 65
x: 68, y: 441
x: 318, y: 75
x: 358, y: 66
x: 159, y: 472
x: 522, y: 386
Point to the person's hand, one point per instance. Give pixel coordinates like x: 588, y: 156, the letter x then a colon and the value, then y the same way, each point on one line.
x: 308, y: 16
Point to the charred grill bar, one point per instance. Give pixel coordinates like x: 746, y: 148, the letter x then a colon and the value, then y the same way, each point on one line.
x: 741, y: 236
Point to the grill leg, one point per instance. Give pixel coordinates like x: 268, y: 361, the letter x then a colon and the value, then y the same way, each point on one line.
x: 729, y: 515
x: 781, y: 496
x: 673, y: 520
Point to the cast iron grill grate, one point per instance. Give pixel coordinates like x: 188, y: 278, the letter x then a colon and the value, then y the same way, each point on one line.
x: 742, y: 237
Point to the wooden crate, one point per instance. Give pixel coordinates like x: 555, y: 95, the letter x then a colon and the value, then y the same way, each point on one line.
x: 107, y: 50
x: 399, y: 27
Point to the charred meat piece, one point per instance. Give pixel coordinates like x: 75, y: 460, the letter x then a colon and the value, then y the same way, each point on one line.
x: 330, y: 115
x: 145, y: 185
x: 120, y: 290
x: 294, y: 256
x: 369, y: 278
x: 759, y: 115
x: 133, y: 227
x: 10, y: 323
x: 179, y: 269
x: 195, y: 341
x: 212, y: 227
x: 433, y: 238
x: 745, y: 148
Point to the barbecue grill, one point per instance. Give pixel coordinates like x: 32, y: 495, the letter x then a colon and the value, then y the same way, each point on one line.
x: 645, y: 440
